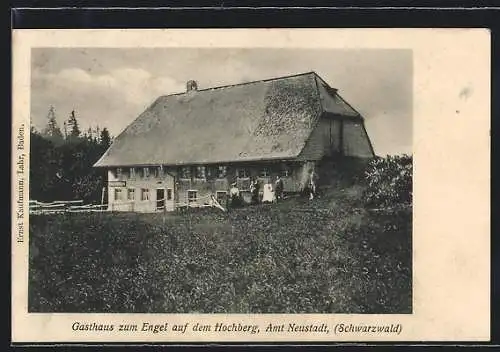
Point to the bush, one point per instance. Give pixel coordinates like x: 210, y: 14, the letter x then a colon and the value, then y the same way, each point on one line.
x: 389, y: 181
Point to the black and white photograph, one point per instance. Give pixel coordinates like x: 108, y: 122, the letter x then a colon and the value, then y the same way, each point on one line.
x: 221, y: 180
x: 250, y: 185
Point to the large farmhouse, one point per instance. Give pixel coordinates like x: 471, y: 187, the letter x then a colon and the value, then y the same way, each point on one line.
x: 188, y: 146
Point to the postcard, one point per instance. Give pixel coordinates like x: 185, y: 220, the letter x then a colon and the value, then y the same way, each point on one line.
x: 251, y: 185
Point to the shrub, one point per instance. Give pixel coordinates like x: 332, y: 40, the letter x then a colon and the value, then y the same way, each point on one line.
x: 389, y: 181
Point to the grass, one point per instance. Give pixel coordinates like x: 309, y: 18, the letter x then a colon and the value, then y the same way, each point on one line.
x: 325, y: 256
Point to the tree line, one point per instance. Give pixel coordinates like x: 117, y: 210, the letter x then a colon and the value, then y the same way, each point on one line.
x: 61, y: 161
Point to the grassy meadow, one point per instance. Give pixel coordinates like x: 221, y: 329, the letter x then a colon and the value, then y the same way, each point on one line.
x: 329, y: 255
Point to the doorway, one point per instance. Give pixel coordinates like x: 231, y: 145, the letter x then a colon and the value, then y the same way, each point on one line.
x: 160, y: 199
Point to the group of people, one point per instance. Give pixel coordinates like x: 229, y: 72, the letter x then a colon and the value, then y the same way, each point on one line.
x: 270, y: 192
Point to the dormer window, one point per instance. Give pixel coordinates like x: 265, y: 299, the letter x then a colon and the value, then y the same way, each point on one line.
x: 145, y: 172
x: 132, y: 172
x: 119, y: 172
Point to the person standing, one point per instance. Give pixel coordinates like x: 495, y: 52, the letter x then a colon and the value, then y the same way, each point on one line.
x: 313, y: 184
x: 254, y: 190
x: 279, y: 188
x: 268, y: 195
x: 234, y: 195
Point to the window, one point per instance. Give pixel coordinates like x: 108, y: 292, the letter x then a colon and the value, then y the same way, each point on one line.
x: 132, y: 172
x: 156, y: 171
x: 185, y: 172
x: 145, y: 172
x: 221, y: 196
x: 286, y: 171
x: 144, y: 194
x: 125, y: 173
x: 131, y: 194
x: 169, y: 193
x: 118, y: 194
x: 264, y: 172
x: 161, y: 172
x: 222, y: 171
x: 211, y: 172
x: 119, y: 172
x: 243, y: 173
x: 200, y: 172
x: 192, y: 196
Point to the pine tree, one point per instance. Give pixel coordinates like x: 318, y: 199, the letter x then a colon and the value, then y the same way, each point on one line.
x: 52, y: 130
x: 73, y: 125
x: 105, y: 138
x: 97, y: 134
x: 89, y: 135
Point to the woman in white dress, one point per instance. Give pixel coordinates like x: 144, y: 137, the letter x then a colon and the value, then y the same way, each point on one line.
x: 268, y: 196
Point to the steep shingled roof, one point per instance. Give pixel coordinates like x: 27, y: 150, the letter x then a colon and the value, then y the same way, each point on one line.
x: 263, y: 120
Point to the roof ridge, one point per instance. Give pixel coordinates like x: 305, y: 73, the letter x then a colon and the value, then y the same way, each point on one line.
x: 245, y: 83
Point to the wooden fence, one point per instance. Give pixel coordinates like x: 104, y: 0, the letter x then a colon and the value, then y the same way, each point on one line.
x: 60, y: 206
x: 77, y: 206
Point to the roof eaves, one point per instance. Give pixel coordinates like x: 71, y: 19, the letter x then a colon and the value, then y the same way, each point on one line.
x: 102, y: 158
x: 218, y: 162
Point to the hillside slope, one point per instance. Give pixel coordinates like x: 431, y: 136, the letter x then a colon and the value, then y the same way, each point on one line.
x: 328, y: 255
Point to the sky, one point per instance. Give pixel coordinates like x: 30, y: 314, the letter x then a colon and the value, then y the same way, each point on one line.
x: 110, y: 87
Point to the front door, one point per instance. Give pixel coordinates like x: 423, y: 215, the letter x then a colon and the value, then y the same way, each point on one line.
x: 160, y: 199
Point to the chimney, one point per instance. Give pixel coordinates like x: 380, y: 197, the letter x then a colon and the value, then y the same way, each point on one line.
x: 191, y: 85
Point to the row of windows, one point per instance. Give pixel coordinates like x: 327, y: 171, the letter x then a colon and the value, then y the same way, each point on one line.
x: 199, y: 172
x: 264, y: 172
x: 134, y: 172
x: 130, y: 193
x: 121, y: 194
x: 202, y: 172
x: 192, y: 195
